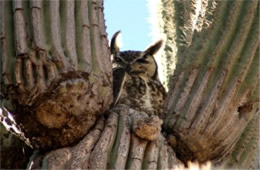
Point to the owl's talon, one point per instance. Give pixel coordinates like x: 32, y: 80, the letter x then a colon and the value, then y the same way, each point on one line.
x: 147, y: 128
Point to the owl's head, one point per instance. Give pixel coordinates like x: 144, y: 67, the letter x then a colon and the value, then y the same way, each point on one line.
x: 139, y: 63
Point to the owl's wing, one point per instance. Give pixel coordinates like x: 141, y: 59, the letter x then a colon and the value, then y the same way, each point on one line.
x: 118, y: 83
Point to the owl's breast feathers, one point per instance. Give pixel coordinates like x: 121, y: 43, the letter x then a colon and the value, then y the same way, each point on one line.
x: 143, y: 94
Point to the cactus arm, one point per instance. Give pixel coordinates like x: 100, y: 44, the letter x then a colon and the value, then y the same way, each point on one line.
x: 211, y: 97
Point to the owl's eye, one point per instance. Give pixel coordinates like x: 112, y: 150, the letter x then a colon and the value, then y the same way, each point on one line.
x: 142, y: 60
x: 117, y: 59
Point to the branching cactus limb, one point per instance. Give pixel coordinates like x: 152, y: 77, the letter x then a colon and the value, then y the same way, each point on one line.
x: 213, y: 90
x: 111, y: 145
x: 55, y: 68
x: 178, y: 21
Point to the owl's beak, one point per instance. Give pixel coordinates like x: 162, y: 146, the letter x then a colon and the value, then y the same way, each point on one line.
x: 128, y: 68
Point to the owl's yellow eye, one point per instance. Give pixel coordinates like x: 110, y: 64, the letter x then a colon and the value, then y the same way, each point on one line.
x: 117, y: 59
x: 142, y: 60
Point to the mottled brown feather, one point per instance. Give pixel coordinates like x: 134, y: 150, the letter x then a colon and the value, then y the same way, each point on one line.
x: 135, y: 79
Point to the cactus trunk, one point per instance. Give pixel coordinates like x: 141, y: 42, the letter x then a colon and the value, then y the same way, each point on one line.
x: 213, y: 91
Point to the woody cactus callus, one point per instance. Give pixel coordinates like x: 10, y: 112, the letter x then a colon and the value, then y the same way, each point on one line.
x: 55, y: 68
x: 111, y: 144
x: 213, y: 92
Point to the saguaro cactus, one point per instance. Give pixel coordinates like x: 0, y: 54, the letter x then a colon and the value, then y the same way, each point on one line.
x: 214, y: 90
x: 55, y: 68
x: 56, y: 82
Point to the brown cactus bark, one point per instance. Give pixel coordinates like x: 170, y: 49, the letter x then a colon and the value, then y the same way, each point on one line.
x: 56, y: 70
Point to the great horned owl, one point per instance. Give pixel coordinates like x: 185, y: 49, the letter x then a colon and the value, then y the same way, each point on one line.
x: 135, y: 78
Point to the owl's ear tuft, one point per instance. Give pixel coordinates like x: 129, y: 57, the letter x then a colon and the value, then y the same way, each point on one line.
x: 114, y: 46
x: 153, y: 49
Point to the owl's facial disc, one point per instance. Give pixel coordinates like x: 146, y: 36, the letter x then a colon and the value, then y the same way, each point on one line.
x: 144, y: 66
x: 118, y: 62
